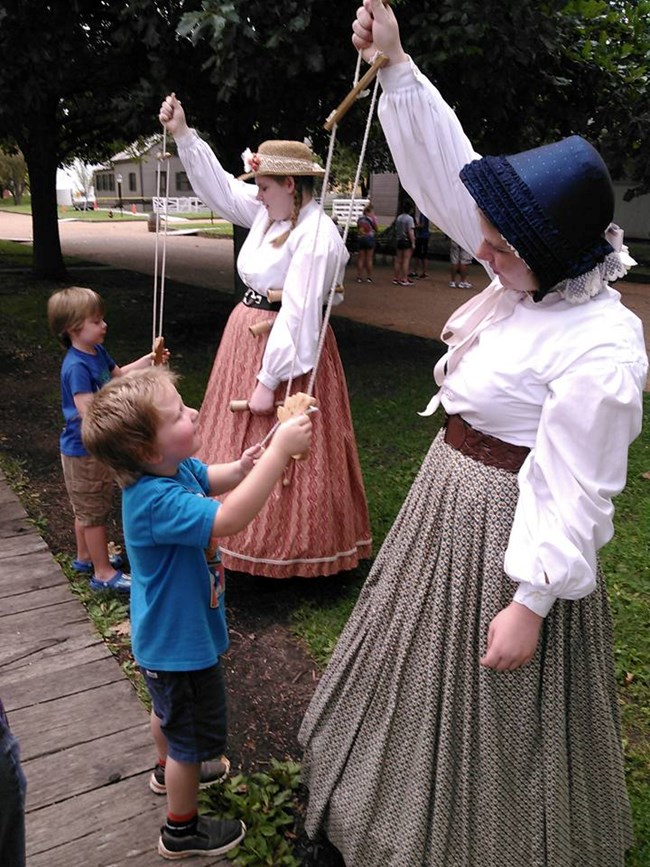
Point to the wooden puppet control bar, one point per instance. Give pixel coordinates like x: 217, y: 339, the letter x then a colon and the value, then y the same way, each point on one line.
x: 362, y: 84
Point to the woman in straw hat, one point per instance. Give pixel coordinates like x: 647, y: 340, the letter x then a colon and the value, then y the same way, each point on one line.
x: 317, y: 524
x: 468, y: 717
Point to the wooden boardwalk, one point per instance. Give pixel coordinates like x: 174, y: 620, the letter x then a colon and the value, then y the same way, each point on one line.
x: 85, y: 744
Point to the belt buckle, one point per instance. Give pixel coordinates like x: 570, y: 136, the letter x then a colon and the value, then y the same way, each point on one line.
x: 252, y: 298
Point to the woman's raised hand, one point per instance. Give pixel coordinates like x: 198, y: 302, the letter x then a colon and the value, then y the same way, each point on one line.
x: 376, y: 29
x: 172, y: 116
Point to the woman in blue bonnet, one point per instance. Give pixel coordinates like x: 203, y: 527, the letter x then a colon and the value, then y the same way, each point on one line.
x: 468, y: 717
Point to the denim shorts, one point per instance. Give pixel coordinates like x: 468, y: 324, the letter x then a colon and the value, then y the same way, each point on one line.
x: 191, y: 707
x: 12, y: 798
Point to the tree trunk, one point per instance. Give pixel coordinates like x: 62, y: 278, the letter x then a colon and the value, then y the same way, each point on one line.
x: 41, y: 158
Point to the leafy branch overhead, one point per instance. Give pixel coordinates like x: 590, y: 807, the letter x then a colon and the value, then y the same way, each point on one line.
x: 89, y: 79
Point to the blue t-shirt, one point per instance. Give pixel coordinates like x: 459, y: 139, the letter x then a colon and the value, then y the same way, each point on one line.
x: 81, y: 373
x: 178, y: 618
x: 422, y: 227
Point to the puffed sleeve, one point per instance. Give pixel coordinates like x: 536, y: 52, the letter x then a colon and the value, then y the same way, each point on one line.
x: 429, y: 149
x: 564, y: 512
x: 232, y: 199
x: 293, y: 340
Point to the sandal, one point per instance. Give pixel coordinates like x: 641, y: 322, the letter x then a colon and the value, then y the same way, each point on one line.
x: 119, y: 582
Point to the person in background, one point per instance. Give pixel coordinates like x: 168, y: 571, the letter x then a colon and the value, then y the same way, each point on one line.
x: 139, y: 427
x: 421, y: 253
x: 459, y: 259
x: 76, y: 318
x: 317, y: 523
x: 366, y: 237
x: 478, y: 662
x: 404, y: 245
x: 12, y: 797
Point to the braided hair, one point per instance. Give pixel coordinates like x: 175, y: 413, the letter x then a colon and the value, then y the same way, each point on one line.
x: 303, y: 184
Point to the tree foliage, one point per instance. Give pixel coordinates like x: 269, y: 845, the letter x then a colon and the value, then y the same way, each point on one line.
x: 89, y: 78
x: 527, y: 72
x: 90, y: 75
x: 275, y: 70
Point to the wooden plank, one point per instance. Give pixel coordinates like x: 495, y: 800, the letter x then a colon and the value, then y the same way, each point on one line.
x: 14, y: 520
x: 25, y: 636
x: 36, y: 572
x: 79, y: 649
x: 117, y: 826
x: 98, y: 829
x: 23, y: 545
x: 36, y: 687
x: 83, y: 767
x: 7, y: 495
x: 35, y: 599
x: 58, y: 724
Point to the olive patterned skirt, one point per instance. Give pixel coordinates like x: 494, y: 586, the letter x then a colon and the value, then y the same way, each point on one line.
x: 415, y: 755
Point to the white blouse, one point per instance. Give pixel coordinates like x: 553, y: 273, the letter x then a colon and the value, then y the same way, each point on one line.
x: 565, y: 380
x: 305, y: 267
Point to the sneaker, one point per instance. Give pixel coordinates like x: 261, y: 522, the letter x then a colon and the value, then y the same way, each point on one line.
x: 465, y: 285
x: 452, y: 283
x: 406, y: 283
x: 396, y: 282
x: 359, y: 279
x: 212, y: 837
x: 121, y: 582
x: 211, y: 772
x: 368, y: 279
x: 422, y: 276
x: 86, y: 566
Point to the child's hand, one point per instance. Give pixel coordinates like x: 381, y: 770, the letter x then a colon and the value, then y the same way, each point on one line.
x: 248, y: 458
x: 293, y: 436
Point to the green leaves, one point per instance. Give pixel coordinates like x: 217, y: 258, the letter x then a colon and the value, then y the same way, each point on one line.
x: 266, y: 803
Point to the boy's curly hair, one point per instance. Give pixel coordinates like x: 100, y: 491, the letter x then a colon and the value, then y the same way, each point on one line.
x: 121, y: 423
x: 68, y: 308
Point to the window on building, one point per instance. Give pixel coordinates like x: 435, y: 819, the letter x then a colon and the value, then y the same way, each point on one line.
x: 161, y: 184
x: 182, y: 182
x: 105, y: 182
x: 133, y: 186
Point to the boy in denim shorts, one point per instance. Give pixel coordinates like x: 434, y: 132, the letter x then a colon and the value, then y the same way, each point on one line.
x: 76, y: 317
x: 139, y: 426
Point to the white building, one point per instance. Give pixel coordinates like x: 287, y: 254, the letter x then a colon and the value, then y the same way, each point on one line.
x: 131, y: 176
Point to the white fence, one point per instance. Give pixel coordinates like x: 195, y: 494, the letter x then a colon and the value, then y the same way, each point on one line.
x: 178, y: 204
x: 341, y: 208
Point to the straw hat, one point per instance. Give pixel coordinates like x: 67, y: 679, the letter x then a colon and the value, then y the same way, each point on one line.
x: 287, y: 158
x: 552, y: 204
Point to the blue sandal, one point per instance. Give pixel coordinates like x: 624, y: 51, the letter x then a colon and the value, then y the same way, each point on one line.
x: 86, y: 566
x: 119, y: 582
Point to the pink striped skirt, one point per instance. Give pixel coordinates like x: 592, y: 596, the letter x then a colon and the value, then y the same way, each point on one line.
x: 316, y: 520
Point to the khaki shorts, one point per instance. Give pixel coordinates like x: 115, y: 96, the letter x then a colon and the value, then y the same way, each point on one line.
x: 90, y: 488
x: 459, y: 256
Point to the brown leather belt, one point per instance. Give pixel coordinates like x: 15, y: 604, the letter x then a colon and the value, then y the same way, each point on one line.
x: 482, y: 447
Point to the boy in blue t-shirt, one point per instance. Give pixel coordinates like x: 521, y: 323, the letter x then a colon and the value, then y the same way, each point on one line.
x: 139, y: 426
x: 76, y: 317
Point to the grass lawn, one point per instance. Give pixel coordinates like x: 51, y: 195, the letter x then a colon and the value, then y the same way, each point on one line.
x: 389, y: 377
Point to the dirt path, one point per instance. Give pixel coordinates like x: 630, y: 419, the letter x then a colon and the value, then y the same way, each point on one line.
x: 421, y: 309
